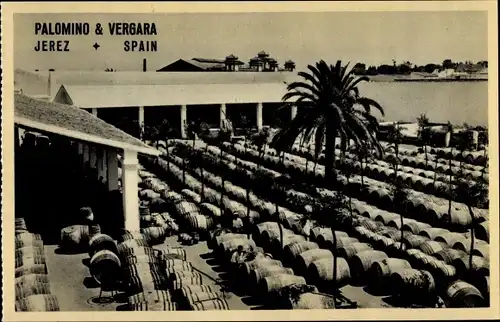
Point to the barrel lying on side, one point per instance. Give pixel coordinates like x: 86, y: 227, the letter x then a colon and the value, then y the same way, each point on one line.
x: 38, y: 303
x: 210, y: 305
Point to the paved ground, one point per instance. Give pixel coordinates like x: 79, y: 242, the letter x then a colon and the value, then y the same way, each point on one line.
x: 72, y: 284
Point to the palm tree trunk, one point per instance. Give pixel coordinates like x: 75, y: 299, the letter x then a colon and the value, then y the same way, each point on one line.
x: 425, y: 150
x: 435, y: 171
x: 202, y: 184
x: 330, y: 155
x: 406, y: 210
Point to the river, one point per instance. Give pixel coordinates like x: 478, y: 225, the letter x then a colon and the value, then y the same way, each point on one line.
x: 457, y: 102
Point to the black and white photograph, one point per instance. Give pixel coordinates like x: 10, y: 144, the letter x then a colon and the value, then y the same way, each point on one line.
x: 253, y: 160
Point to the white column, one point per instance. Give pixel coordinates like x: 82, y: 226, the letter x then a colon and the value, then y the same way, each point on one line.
x: 130, y: 195
x: 93, y: 157
x: 183, y: 121
x: 94, y: 111
x: 222, y: 114
x: 447, y: 139
x: 112, y: 165
x: 475, y: 139
x: 141, y: 115
x: 259, y: 116
x: 294, y: 111
x: 101, y: 164
x: 86, y: 153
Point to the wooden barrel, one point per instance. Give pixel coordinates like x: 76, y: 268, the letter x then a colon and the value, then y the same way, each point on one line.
x: 100, y: 242
x: 143, y: 258
x: 203, y: 297
x: 308, y: 301
x: 26, y: 289
x: 480, y: 266
x: 412, y: 282
x: 291, y: 251
x: 464, y: 245
x: 154, y: 235
x: 362, y: 261
x: 20, y: 226
x: 256, y: 275
x: 138, y: 251
x: 210, y: 210
x: 248, y: 267
x: 179, y: 283
x: 32, y: 279
x: 29, y: 258
x: 75, y: 237
x: 483, y: 231
x: 275, y: 246
x: 187, y: 290
x: 105, y: 266
x: 38, y: 303
x: 482, y: 250
x: 29, y: 251
x: 215, y: 240
x: 431, y: 247
x: 199, y: 222
x: 143, y: 277
x: 381, y: 270
x: 460, y: 294
x: 210, y: 305
x: 413, y: 241
x: 185, y: 208
x: 230, y: 245
x: 171, y: 263
x: 350, y: 250
x: 154, y: 306
x: 450, y: 238
x: 483, y: 285
x: 94, y: 229
x: 183, y: 274
x: 275, y: 282
x: 31, y: 269
x: 144, y: 211
x: 150, y: 296
x: 304, y: 259
x: 449, y: 255
x: 340, y: 242
x: 132, y: 235
x: 415, y: 227
x: 125, y: 248
x: 442, y: 272
x: 432, y: 232
x: 173, y: 253
x: 320, y: 272
x: 27, y: 239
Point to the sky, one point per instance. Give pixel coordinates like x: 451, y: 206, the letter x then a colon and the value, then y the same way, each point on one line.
x: 370, y: 37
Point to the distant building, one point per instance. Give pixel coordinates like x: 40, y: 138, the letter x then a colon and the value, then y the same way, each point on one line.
x: 260, y: 63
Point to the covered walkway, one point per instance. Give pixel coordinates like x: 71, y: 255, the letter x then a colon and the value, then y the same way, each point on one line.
x: 65, y: 159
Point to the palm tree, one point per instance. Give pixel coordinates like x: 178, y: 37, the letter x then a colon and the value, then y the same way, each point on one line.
x: 261, y: 139
x: 449, y: 129
x: 330, y: 106
x: 362, y: 154
x: 424, y: 133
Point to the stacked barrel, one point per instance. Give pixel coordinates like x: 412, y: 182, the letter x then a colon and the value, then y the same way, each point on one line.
x: 33, y: 291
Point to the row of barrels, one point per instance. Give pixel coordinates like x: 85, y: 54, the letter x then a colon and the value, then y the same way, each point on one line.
x: 32, y: 285
x: 430, y: 207
x: 410, y: 224
x: 162, y: 280
x: 446, y: 265
x: 359, y: 261
x: 266, y: 276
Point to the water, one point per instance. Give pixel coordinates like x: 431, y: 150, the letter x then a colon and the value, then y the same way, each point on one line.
x: 457, y: 102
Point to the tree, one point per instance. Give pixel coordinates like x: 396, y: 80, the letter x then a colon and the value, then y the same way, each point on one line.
x: 362, y: 154
x: 395, y: 138
x: 261, y: 140
x: 328, y: 212
x: 424, y: 133
x: 470, y: 194
x: 449, y: 129
x: 330, y: 106
x: 400, y: 197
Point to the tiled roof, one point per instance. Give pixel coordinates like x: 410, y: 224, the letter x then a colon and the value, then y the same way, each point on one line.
x: 73, y: 122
